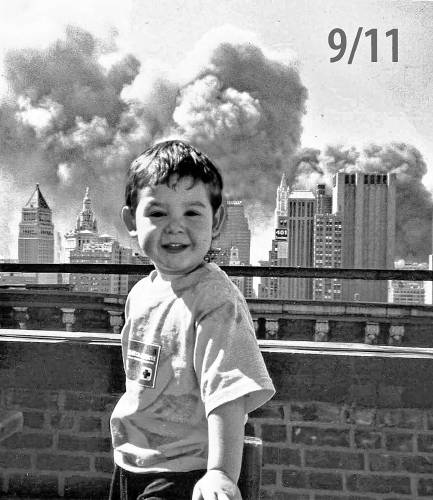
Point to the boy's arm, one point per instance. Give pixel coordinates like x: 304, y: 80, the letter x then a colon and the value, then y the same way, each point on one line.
x: 226, y: 441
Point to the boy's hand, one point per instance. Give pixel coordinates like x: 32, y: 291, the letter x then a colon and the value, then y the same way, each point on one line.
x: 216, y: 485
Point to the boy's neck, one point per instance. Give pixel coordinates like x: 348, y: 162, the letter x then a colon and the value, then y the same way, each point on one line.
x: 161, y: 276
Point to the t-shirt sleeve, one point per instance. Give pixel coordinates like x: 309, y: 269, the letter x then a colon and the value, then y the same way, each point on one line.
x: 227, y: 359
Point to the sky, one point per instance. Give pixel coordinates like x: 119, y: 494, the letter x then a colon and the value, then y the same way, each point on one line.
x: 179, y: 49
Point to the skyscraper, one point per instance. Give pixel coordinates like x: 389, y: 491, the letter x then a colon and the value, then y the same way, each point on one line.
x: 272, y: 287
x: 36, y: 231
x: 300, y: 242
x: 235, y: 233
x: 327, y: 246
x: 366, y: 204
x: 84, y: 245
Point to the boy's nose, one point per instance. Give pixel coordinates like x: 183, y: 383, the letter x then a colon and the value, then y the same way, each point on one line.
x: 174, y: 225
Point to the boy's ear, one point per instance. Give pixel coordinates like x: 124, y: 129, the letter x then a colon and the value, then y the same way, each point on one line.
x: 218, y: 220
x: 129, y: 221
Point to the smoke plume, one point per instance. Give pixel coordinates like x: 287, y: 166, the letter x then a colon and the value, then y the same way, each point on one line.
x: 69, y: 122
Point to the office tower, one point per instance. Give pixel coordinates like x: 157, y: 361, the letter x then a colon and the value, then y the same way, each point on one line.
x: 408, y: 292
x: 36, y: 231
x: 366, y: 205
x: 272, y: 287
x: 323, y: 200
x: 235, y: 233
x: 300, y: 242
x: 84, y: 245
x: 327, y: 246
x: 85, y: 230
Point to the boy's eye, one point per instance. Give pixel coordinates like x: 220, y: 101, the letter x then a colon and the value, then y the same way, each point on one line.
x: 192, y: 213
x: 156, y: 213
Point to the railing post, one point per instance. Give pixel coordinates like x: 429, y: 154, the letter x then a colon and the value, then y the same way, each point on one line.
x: 68, y: 317
x: 116, y: 320
x: 21, y: 316
x: 271, y: 328
x: 321, y: 330
x: 371, y: 333
x: 396, y: 334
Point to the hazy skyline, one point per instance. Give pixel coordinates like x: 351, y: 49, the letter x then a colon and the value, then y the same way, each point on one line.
x: 348, y: 105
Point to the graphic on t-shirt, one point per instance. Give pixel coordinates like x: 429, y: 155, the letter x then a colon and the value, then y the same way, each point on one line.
x: 142, y: 362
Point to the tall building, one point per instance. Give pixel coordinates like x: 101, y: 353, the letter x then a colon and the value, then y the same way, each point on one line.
x: 36, y: 231
x: 366, y: 205
x: 273, y: 287
x: 300, y: 240
x: 327, y: 246
x: 84, y: 245
x: 235, y: 233
x: 85, y: 230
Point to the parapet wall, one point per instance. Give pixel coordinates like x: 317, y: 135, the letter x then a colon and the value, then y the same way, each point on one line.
x: 346, y: 426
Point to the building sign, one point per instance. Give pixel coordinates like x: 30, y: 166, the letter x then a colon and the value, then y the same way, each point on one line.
x: 281, y: 233
x: 282, y: 221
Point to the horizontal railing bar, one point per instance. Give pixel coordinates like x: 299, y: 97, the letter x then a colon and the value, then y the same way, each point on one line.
x: 272, y: 346
x: 257, y: 271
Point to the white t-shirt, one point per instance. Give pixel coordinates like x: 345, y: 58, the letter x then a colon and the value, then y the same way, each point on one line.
x: 188, y: 347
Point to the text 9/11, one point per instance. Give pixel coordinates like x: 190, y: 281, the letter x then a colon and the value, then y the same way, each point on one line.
x: 337, y: 40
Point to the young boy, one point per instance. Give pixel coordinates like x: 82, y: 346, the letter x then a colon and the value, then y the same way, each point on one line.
x: 193, y: 367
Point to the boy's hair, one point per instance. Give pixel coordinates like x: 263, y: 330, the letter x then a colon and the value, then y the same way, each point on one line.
x: 158, y: 163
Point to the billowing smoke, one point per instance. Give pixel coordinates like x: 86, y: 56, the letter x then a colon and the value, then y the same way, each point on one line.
x: 69, y: 122
x: 414, y: 205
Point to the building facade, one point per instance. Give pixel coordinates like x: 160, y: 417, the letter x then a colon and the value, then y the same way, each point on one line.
x: 366, y: 205
x: 300, y: 240
x: 36, y: 231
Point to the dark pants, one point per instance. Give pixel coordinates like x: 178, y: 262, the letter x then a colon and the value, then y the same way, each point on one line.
x: 127, y: 485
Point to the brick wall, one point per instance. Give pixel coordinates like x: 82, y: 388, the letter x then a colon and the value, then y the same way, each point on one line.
x: 340, y: 427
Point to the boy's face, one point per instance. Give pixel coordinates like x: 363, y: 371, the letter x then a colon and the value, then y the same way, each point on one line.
x: 174, y: 224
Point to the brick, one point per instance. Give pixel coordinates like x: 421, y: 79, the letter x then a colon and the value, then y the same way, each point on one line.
x: 269, y: 476
x: 29, y: 440
x: 89, y: 444
x: 294, y: 479
x: 425, y: 443
x: 363, y: 416
x: 32, y: 399
x: 89, y: 424
x: 14, y: 460
x: 418, y: 464
x: 367, y: 439
x: 384, y: 462
x: 399, y: 441
x: 364, y: 394
x: 325, y: 481
x: 316, y: 412
x: 104, y: 464
x: 314, y: 436
x: 87, y: 487
x: 310, y: 479
x: 344, y: 497
x: 282, y: 495
x: 61, y: 421
x: 276, y: 412
x: 274, y: 433
x: 429, y: 419
x: 390, y: 396
x: 33, y: 419
x: 402, y: 418
x: 425, y: 487
x: 62, y: 462
x: 378, y: 484
x: 324, y: 459
x: 79, y: 401
x: 33, y: 485
x: 281, y: 456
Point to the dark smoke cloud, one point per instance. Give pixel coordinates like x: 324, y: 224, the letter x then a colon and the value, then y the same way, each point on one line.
x: 69, y: 122
x: 414, y: 205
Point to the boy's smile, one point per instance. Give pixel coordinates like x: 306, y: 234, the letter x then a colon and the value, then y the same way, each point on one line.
x: 174, y: 224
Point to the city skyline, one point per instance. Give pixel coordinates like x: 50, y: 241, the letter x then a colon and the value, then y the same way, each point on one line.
x: 132, y: 87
